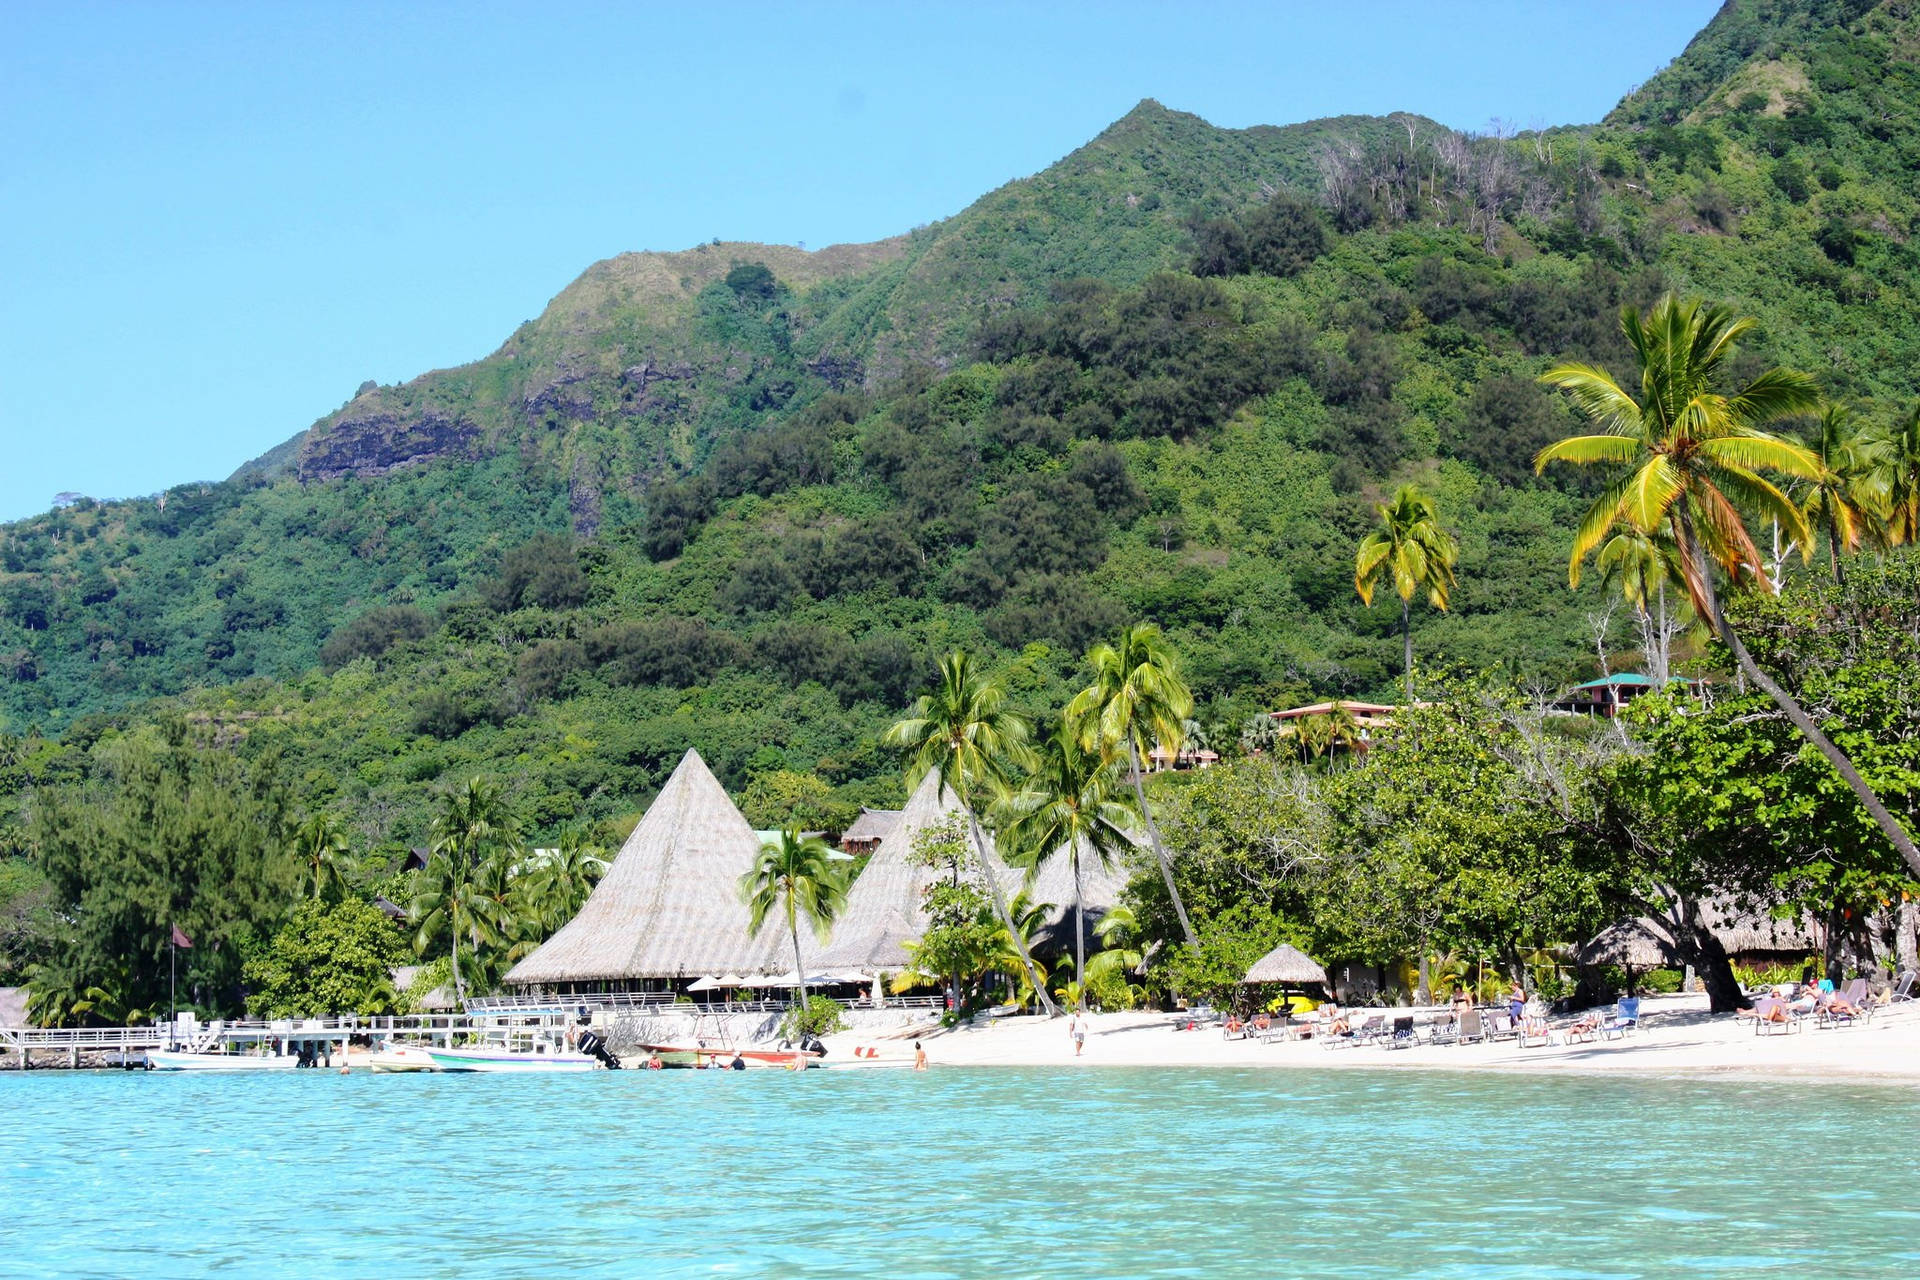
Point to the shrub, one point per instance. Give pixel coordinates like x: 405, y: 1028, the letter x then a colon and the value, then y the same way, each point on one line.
x: 372, y: 633
x: 819, y: 1016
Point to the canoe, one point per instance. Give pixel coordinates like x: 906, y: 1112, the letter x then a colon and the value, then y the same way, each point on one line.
x: 507, y: 1061
x: 682, y: 1055
x: 170, y: 1060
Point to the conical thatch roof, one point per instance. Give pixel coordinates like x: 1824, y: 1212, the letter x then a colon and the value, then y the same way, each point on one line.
x: 1100, y: 884
x: 1648, y: 943
x: 1286, y: 964
x: 669, y: 906
x: 885, y: 907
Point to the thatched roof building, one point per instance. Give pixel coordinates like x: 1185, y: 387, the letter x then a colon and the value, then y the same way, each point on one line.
x: 1647, y: 943
x: 669, y: 907
x: 869, y: 829
x: 13, y: 1006
x: 1287, y: 964
x: 885, y: 907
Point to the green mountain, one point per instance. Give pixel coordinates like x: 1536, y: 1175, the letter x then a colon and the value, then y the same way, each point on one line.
x: 738, y: 496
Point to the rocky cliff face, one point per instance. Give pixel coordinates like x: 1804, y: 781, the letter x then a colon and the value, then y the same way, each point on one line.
x: 371, y: 439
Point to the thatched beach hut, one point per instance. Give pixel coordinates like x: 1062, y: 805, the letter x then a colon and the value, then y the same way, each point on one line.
x: 669, y: 907
x: 886, y: 906
x: 1287, y: 965
x: 1749, y: 936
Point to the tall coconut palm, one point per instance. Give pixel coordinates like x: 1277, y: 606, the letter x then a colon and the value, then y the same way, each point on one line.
x: 1067, y: 806
x: 562, y: 877
x: 323, y: 855
x: 1841, y: 498
x: 965, y: 731
x: 1642, y: 564
x: 1412, y: 548
x: 472, y: 819
x: 1688, y: 454
x: 1136, y: 702
x: 1897, y: 471
x: 801, y: 876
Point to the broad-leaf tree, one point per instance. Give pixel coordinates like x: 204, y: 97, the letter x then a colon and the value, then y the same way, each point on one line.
x: 796, y: 876
x: 1689, y: 457
x: 1138, y: 701
x: 964, y: 730
x: 1416, y: 552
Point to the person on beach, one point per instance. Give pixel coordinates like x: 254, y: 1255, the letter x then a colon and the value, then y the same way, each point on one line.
x: 1077, y: 1028
x: 919, y: 1055
x: 1516, y: 1003
x: 1462, y: 1005
x: 1336, y: 1021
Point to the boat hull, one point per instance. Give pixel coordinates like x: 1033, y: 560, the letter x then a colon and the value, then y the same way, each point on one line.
x: 168, y: 1060
x: 504, y: 1062
x: 396, y: 1061
x: 680, y: 1055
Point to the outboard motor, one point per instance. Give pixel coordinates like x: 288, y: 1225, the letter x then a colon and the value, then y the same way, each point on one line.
x: 811, y: 1043
x: 594, y: 1047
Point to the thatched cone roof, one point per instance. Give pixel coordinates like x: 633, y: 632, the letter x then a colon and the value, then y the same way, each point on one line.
x: 1286, y: 964
x: 886, y: 906
x: 669, y: 906
x: 1100, y: 884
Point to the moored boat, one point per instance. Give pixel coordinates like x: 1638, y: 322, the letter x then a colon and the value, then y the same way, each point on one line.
x: 401, y: 1058
x: 173, y: 1060
x: 682, y: 1055
x: 497, y: 1058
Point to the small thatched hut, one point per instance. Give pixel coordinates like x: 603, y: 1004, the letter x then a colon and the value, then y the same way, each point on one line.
x: 1749, y: 936
x: 1288, y: 965
x: 868, y: 830
x: 885, y: 908
x: 669, y: 907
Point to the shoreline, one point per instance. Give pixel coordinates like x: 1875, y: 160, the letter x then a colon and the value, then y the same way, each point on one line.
x: 1677, y: 1039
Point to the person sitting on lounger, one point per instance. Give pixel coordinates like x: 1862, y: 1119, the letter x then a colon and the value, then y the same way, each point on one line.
x: 1807, y: 1002
x: 1840, y: 1006
x: 1234, y: 1025
x: 1584, y: 1025
x: 1336, y: 1021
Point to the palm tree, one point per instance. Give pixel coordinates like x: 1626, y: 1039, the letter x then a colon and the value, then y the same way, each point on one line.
x: 324, y: 855
x: 1068, y: 804
x: 802, y: 876
x: 1690, y: 453
x: 1897, y: 468
x: 1027, y: 917
x: 1841, y: 497
x: 470, y: 820
x: 964, y: 731
x: 1643, y: 564
x: 1138, y: 700
x: 1412, y: 547
x: 562, y: 877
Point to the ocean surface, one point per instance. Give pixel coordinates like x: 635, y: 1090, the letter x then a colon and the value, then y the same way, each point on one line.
x: 954, y: 1173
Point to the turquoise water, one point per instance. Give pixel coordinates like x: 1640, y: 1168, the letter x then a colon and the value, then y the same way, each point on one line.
x: 953, y: 1173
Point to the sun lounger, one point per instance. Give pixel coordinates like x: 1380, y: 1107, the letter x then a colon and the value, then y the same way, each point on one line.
x: 1446, y: 1031
x: 1772, y: 1016
x: 1401, y: 1037
x: 1534, y: 1032
x: 1902, y: 987
x: 1625, y: 1019
x: 1846, y: 1007
x: 1582, y: 1030
x: 1472, y: 1028
x: 1500, y: 1026
x: 1372, y: 1029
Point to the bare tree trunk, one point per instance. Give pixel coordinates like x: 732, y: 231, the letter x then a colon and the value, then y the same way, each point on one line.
x: 1904, y: 948
x: 1425, y: 994
x: 799, y: 975
x: 1902, y: 842
x: 1406, y: 643
x: 999, y: 893
x: 1701, y: 948
x: 1159, y: 849
x: 1830, y: 953
x: 1079, y: 932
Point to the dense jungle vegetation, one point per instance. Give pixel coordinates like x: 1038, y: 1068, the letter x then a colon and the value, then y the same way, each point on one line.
x: 741, y: 497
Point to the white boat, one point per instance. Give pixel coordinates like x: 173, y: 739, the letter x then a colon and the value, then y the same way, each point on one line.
x: 497, y: 1058
x: 172, y: 1060
x: 402, y: 1057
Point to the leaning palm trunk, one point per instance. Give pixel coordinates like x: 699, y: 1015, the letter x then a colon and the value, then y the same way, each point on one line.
x: 1159, y: 849
x: 1702, y: 572
x: 1006, y: 917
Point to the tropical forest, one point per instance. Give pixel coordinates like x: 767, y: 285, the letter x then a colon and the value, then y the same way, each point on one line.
x: 1194, y: 426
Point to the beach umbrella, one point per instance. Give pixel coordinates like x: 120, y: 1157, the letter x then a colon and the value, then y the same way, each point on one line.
x: 1286, y: 964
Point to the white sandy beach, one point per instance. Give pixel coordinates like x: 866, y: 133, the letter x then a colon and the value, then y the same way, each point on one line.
x: 1676, y: 1036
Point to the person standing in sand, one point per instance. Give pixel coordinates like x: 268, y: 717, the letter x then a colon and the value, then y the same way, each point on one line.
x: 1077, y: 1028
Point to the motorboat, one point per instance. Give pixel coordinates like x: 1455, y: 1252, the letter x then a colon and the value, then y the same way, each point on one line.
x: 176, y: 1060
x: 684, y: 1055
x: 501, y: 1059
x: 394, y: 1059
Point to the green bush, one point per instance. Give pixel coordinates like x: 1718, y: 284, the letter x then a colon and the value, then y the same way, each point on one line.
x: 819, y: 1016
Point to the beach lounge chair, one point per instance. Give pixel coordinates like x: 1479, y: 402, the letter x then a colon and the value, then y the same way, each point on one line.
x: 1625, y: 1019
x: 1902, y: 987
x: 1472, y: 1028
x: 1401, y: 1037
x: 1372, y: 1029
x: 1445, y: 1031
x: 1500, y: 1026
x: 1581, y: 1030
x: 1534, y: 1031
x: 1837, y: 1011
x: 1771, y: 1016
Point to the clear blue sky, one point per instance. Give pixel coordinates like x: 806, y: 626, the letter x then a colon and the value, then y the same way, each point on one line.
x: 217, y: 220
